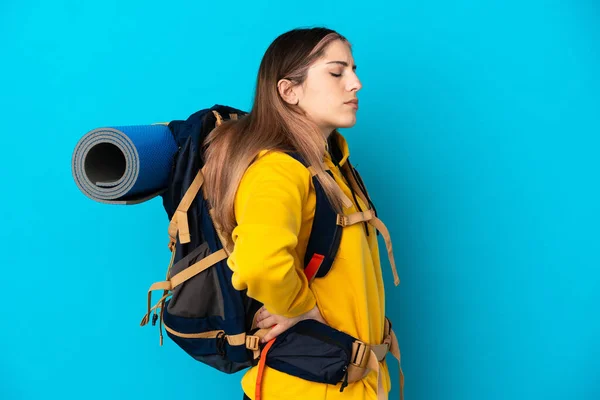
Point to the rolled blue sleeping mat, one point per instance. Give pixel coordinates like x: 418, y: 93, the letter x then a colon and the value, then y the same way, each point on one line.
x: 124, y: 164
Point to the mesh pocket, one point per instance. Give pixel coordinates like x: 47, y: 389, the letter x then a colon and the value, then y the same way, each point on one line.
x: 199, y: 296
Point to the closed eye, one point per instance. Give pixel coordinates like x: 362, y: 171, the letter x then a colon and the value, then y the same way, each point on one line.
x: 336, y: 75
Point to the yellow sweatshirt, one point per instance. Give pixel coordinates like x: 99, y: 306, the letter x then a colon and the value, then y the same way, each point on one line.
x: 274, y: 209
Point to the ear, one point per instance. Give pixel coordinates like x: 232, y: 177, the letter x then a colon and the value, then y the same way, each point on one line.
x: 288, y: 91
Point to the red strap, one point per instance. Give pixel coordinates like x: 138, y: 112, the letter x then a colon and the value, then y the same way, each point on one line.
x: 261, y: 368
x: 313, y: 266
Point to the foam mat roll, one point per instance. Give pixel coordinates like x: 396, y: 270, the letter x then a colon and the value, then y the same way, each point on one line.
x: 124, y: 164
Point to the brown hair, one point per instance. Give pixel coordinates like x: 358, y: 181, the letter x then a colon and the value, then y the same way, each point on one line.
x: 272, y: 124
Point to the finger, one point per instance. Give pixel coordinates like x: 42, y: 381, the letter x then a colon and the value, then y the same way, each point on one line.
x: 267, y: 322
x: 262, y: 315
x: 273, y: 333
x: 259, y: 316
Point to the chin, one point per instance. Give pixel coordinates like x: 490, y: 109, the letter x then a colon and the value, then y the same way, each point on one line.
x: 347, y: 122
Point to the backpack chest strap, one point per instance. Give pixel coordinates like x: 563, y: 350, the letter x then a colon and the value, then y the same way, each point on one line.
x: 370, y: 217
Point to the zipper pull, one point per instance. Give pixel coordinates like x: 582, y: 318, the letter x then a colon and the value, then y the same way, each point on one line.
x: 345, y: 381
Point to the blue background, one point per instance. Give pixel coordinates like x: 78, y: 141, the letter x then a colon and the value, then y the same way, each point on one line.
x: 477, y: 136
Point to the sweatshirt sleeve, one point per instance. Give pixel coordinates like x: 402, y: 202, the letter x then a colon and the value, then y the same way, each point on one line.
x: 268, y: 209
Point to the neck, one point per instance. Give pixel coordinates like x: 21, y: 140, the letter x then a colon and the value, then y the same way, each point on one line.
x: 327, y: 139
x: 327, y: 132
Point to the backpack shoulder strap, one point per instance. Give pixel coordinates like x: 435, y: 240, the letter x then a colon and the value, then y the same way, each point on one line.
x: 325, y: 235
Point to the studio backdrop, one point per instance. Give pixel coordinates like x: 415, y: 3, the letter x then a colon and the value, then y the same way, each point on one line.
x: 477, y: 136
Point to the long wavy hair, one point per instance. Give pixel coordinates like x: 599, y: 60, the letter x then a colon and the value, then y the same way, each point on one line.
x: 272, y: 124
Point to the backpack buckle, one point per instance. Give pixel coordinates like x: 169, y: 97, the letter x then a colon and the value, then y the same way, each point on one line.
x: 360, y: 354
x: 171, y: 244
x: 252, y: 342
x: 342, y: 220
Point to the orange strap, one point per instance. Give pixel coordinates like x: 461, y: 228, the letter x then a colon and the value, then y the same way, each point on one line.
x: 261, y: 368
x: 313, y: 266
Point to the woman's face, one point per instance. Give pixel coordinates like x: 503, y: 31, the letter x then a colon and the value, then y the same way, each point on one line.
x: 329, y: 93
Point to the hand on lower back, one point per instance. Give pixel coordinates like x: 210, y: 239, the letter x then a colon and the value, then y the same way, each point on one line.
x: 280, y: 324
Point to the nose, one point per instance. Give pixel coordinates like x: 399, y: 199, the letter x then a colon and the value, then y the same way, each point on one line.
x: 354, y: 85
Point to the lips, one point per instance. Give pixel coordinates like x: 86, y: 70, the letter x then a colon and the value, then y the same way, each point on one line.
x: 353, y: 103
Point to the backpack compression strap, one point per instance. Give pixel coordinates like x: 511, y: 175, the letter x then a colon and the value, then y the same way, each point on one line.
x: 179, y: 222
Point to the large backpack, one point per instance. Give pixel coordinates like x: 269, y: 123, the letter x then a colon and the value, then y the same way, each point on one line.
x: 213, y: 322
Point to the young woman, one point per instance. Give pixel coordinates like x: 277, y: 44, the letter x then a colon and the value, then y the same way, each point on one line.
x: 307, y: 87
